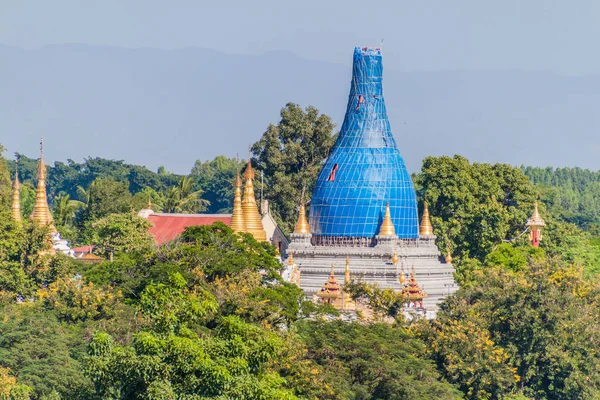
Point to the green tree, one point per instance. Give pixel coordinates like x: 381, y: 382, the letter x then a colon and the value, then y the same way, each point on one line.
x: 230, y: 359
x: 216, y: 178
x: 474, y: 206
x: 373, y: 361
x: 183, y: 198
x: 42, y: 353
x: 10, y: 389
x: 65, y: 209
x: 291, y: 155
x: 105, y: 196
x: 120, y: 233
x: 531, y: 332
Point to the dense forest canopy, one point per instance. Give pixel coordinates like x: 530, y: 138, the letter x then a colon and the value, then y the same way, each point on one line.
x: 208, y: 315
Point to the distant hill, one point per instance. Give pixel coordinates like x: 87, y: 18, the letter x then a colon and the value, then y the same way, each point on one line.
x: 158, y: 107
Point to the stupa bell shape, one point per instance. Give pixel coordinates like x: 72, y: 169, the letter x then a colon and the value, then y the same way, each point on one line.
x: 364, y: 170
x: 252, y: 220
x: 41, y: 212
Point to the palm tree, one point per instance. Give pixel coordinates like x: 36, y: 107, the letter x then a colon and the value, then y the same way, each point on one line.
x: 183, y: 198
x: 65, y: 209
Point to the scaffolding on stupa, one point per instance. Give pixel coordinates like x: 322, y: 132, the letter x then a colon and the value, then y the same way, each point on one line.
x: 364, y: 170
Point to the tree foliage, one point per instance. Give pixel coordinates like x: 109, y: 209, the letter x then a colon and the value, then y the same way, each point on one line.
x: 474, y: 206
x: 291, y: 155
x: 530, y: 332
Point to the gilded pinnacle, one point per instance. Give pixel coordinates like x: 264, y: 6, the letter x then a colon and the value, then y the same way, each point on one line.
x: 41, y: 212
x: 302, y: 226
x: 252, y: 220
x: 387, y: 227
x: 425, y: 229
x: 237, y: 217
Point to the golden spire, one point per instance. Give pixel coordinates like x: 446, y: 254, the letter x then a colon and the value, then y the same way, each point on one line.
x: 41, y: 212
x: 16, y: 205
x: 291, y: 259
x: 536, y: 219
x: 252, y: 220
x: 387, y: 227
x: 237, y: 218
x: 426, y: 229
x: 302, y: 226
x: 395, y: 258
x: 347, y: 272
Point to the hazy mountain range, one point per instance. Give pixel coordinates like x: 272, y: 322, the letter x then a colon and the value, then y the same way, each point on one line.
x: 170, y: 107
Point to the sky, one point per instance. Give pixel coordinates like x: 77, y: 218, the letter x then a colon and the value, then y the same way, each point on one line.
x: 538, y: 35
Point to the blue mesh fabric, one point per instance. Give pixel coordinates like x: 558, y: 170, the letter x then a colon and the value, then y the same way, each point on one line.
x: 364, y: 170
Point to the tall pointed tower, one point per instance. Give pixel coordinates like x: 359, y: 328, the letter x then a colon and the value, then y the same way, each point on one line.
x: 364, y: 209
x: 252, y: 220
x: 16, y: 204
x: 365, y: 169
x: 41, y: 212
x: 237, y: 218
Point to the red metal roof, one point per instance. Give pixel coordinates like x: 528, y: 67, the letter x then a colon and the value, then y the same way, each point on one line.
x: 84, y: 249
x: 166, y: 227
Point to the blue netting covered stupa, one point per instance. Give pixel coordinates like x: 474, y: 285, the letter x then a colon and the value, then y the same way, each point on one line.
x: 364, y: 170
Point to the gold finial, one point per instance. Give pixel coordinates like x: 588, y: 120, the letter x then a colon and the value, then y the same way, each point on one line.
x: 302, y: 226
x: 448, y: 256
x: 387, y: 227
x: 41, y: 212
x: 536, y: 219
x: 249, y: 172
x: 395, y: 258
x: 426, y: 229
x: 332, y: 272
x: 237, y: 217
x: 252, y: 221
x: 291, y: 259
x: 402, y: 277
x: 347, y: 272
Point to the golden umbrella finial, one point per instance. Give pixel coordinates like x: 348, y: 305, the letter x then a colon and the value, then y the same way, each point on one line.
x: 387, y: 227
x: 302, y: 226
x: 395, y: 258
x: 425, y: 229
x: 16, y: 204
x: 291, y: 259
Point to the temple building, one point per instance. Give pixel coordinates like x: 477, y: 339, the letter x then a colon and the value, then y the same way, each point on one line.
x: 535, y: 225
x: 364, y: 209
x: 245, y: 217
x: 41, y: 215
